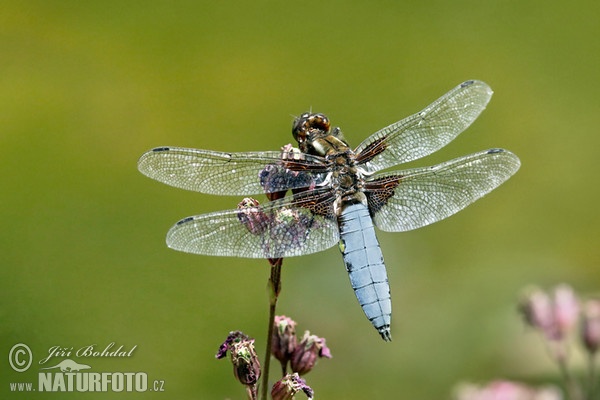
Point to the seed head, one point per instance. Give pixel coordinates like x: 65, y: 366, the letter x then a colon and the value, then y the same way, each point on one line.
x: 305, y: 356
x: 284, y: 340
x: 288, y: 386
x: 246, y: 366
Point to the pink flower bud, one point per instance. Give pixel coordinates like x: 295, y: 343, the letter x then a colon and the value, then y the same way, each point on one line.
x: 536, y: 308
x: 566, y: 309
x: 284, y: 340
x: 554, y: 316
x: 288, y: 386
x: 305, y: 356
x: 590, y: 325
x: 251, y: 216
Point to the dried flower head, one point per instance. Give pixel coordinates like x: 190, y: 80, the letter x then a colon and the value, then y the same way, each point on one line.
x: 288, y: 386
x: 252, y: 217
x: 284, y: 340
x: 234, y: 336
x: 305, y: 356
x: 246, y: 366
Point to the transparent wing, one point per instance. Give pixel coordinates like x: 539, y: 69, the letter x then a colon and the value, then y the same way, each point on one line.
x: 427, y: 131
x: 219, y: 173
x: 288, y: 227
x: 410, y: 199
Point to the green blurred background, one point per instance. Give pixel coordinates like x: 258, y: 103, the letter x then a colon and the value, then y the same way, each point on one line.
x: 87, y: 87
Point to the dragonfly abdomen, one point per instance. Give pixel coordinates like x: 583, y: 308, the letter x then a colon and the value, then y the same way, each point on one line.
x: 365, y: 266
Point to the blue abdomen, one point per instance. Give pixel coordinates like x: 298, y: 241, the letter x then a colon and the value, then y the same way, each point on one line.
x: 364, y: 263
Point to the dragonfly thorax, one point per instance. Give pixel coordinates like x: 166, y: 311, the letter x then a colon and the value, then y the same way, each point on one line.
x: 315, y: 136
x: 347, y: 179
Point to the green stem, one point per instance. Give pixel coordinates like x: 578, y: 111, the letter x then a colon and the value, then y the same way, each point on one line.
x: 274, y: 289
x: 560, y: 355
x: 571, y: 385
x: 592, y: 377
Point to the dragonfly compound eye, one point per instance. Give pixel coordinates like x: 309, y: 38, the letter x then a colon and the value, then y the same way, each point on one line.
x: 300, y: 127
x: 307, y: 123
x: 320, y: 122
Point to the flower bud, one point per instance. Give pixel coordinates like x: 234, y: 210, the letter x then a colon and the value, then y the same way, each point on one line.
x: 288, y: 386
x: 590, y: 325
x: 536, y: 307
x: 246, y: 366
x: 566, y: 309
x: 310, y: 348
x: 554, y: 316
x: 284, y: 340
x: 251, y: 216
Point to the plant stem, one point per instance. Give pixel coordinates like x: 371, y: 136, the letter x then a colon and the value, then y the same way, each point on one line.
x: 251, y: 392
x: 592, y: 377
x: 571, y: 385
x: 274, y: 289
x: 558, y: 351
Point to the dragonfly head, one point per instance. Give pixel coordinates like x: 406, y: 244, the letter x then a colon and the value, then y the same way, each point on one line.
x: 314, y: 135
x: 309, y: 126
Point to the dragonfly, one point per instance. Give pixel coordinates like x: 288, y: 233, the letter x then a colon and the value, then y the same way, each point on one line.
x: 338, y: 195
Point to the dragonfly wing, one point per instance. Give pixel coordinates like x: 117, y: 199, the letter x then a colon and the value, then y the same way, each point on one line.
x: 406, y: 200
x: 302, y: 224
x: 427, y: 131
x: 219, y: 173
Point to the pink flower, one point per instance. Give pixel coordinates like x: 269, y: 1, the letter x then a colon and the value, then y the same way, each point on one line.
x: 536, y: 308
x: 305, y: 356
x: 554, y: 316
x: 284, y: 340
x: 590, y: 325
x: 506, y: 390
x: 288, y: 386
x: 566, y: 309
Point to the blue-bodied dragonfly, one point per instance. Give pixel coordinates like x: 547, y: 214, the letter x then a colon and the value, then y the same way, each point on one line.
x: 337, y: 195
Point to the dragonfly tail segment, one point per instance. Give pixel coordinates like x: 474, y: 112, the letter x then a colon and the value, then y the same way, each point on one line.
x: 364, y: 263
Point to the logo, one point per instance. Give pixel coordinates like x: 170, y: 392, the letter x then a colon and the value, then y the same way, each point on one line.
x: 20, y: 357
x: 69, y: 369
x: 69, y: 366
